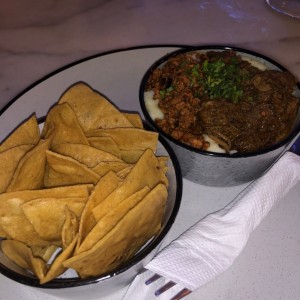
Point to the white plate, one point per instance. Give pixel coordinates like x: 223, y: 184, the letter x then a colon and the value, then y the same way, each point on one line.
x: 117, y: 75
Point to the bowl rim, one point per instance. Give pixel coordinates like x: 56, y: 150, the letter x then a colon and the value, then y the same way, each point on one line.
x: 61, y: 283
x: 161, y: 60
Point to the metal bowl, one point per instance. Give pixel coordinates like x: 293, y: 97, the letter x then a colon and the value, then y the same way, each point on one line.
x: 218, y: 169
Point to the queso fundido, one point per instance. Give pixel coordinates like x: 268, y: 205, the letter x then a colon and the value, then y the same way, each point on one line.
x: 220, y: 101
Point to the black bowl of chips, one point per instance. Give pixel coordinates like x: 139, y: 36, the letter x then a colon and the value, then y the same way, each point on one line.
x: 88, y: 203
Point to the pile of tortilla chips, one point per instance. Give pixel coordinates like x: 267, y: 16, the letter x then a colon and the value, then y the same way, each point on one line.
x: 86, y: 193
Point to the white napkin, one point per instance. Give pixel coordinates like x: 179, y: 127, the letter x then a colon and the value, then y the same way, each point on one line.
x: 210, y: 246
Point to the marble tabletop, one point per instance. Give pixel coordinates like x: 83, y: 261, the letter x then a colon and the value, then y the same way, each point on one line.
x: 39, y: 37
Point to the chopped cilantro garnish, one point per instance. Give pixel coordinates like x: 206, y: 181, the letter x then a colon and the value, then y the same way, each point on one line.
x: 166, y: 91
x: 218, y: 79
x: 162, y: 93
x: 222, y: 80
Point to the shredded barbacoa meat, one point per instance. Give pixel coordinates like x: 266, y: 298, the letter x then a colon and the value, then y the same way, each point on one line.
x: 217, y: 93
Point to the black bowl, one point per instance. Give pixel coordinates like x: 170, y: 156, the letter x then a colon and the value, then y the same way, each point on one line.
x: 73, y: 287
x: 220, y: 169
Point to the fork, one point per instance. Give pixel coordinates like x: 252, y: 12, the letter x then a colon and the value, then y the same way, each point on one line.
x: 184, y: 292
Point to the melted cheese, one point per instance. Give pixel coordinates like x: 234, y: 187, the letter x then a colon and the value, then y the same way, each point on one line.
x: 255, y: 63
x: 213, y: 146
x: 152, y: 106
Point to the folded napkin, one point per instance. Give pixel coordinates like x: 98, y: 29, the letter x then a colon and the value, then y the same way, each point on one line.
x: 210, y: 246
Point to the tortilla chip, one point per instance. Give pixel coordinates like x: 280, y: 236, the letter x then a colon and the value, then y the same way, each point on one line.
x: 22, y: 256
x: 45, y: 253
x: 125, y: 239
x: 63, y: 170
x: 105, y: 167
x: 9, y: 160
x: 80, y: 190
x: 28, y: 133
x: 57, y: 268
x: 106, y: 185
x: 132, y: 142
x: 86, y: 155
x: 47, y: 215
x: 134, y: 119
x: 62, y: 126
x: 110, y: 219
x: 29, y: 174
x: 3, y: 234
x: 13, y: 222
x: 105, y: 143
x: 19, y: 228
x: 92, y: 109
x: 124, y: 172
x: 163, y: 162
x: 134, y: 181
x: 70, y: 228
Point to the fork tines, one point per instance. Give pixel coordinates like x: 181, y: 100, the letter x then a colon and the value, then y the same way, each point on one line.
x: 167, y: 286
